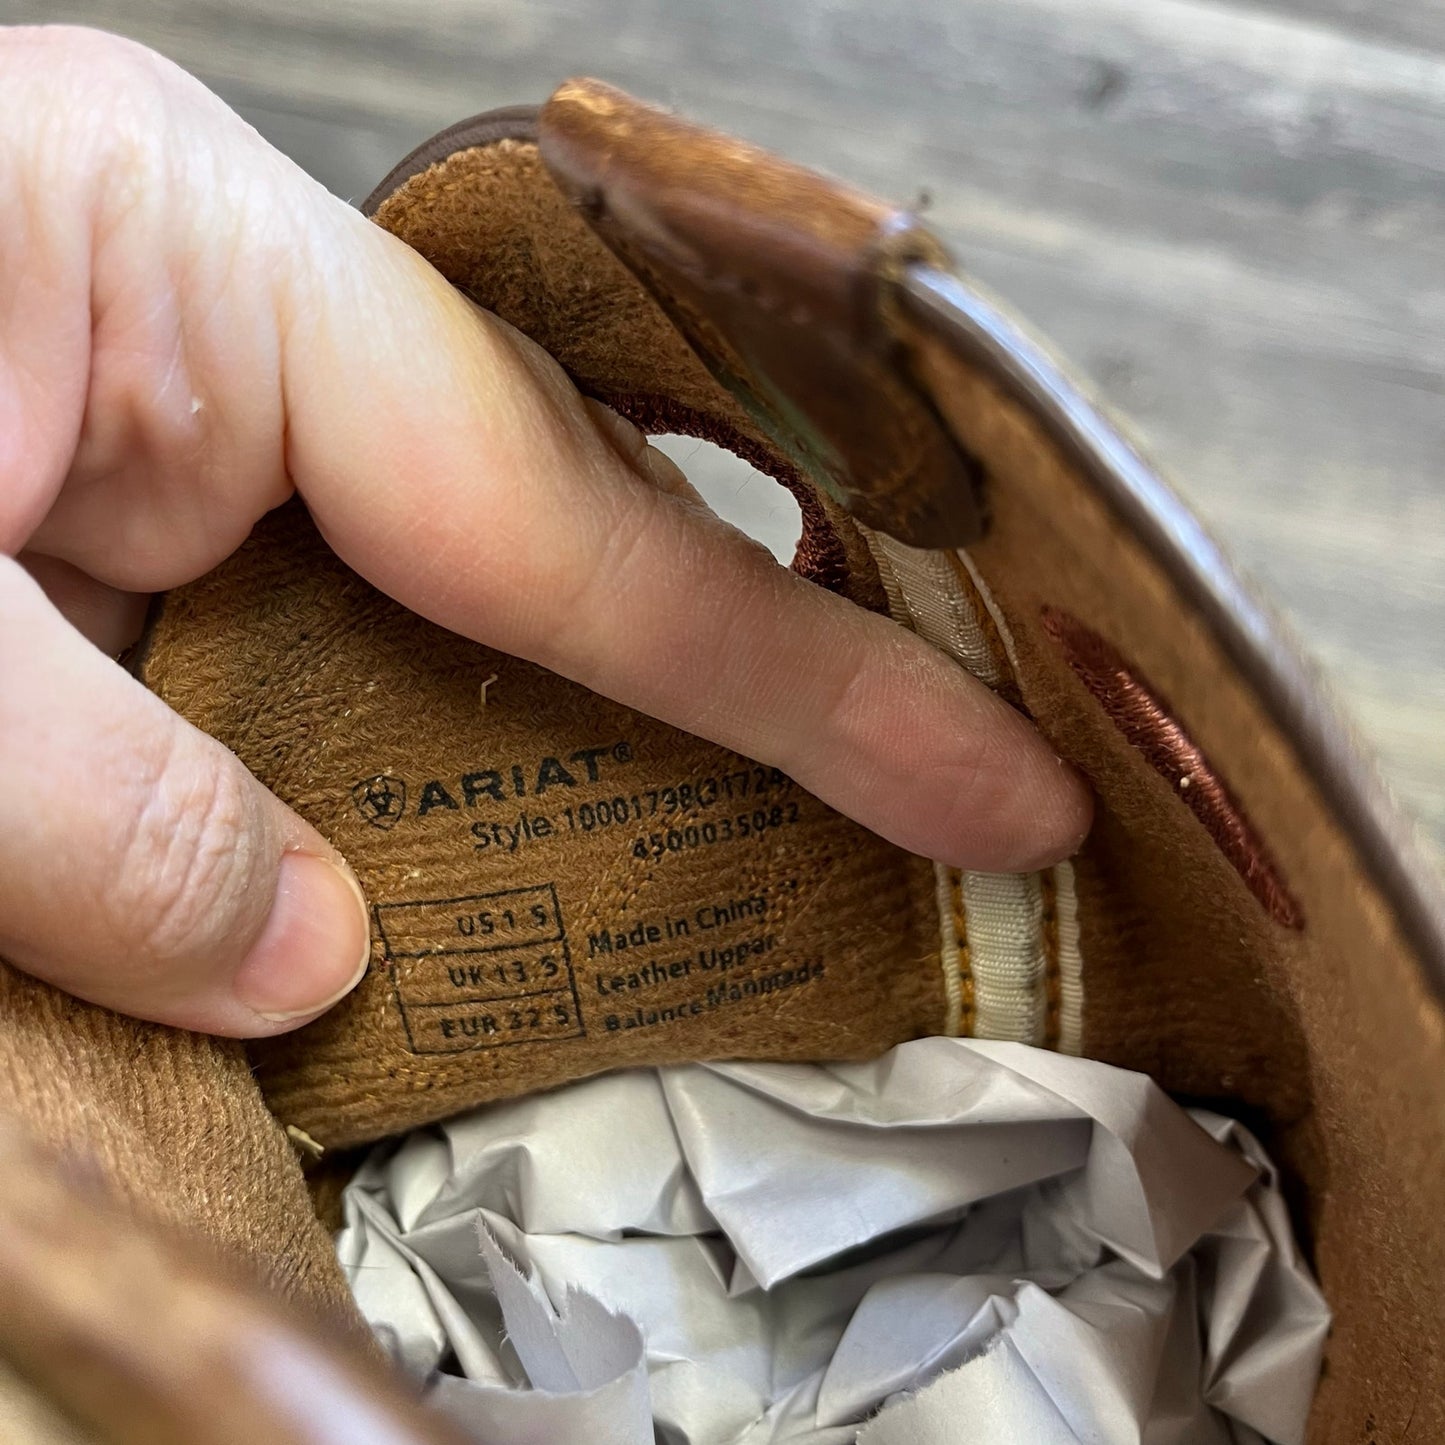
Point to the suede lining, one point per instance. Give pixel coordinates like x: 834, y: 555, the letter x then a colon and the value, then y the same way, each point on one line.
x: 1325, y: 1034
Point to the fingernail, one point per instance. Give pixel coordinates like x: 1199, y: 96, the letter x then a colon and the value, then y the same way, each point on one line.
x: 315, y: 946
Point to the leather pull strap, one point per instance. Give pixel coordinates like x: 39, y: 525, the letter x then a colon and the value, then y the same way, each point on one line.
x: 781, y: 280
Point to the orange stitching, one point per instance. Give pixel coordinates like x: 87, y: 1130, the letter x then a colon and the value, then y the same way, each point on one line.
x: 1048, y: 895
x: 1145, y: 722
x: 968, y: 1012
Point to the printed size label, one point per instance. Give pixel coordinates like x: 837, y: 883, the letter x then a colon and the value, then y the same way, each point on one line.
x: 516, y: 918
x: 497, y: 969
x: 489, y: 970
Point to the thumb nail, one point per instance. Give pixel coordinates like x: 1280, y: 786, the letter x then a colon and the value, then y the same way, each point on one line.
x: 314, y: 948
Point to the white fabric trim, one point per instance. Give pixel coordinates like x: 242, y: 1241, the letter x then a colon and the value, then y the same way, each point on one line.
x: 1004, y: 914
x: 897, y: 604
x: 936, y: 605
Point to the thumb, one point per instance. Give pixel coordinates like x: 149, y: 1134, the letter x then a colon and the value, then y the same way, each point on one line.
x: 141, y: 866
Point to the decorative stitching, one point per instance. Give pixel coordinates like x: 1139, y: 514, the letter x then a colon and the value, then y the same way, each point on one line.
x: 1049, y: 918
x: 967, y: 990
x: 820, y: 555
x: 1146, y: 722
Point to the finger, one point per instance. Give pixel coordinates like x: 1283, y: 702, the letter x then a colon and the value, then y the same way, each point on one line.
x: 141, y: 866
x: 245, y: 331
x: 105, y: 616
x: 632, y: 446
x: 590, y: 568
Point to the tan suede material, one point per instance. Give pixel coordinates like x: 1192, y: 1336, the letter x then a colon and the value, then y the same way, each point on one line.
x: 1328, y: 1031
x: 29, y: 1417
x: 175, y: 1123
x: 559, y: 885
x: 146, y: 1338
x: 1325, y: 1034
x: 493, y: 224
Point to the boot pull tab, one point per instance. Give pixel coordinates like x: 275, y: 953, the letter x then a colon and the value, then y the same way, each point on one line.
x: 783, y: 281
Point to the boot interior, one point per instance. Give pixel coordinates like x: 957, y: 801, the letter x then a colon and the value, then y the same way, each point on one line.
x: 1218, y: 930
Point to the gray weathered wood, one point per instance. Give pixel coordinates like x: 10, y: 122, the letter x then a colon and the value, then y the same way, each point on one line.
x: 1228, y: 216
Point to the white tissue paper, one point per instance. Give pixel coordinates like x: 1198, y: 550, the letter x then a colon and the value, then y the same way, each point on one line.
x: 959, y: 1242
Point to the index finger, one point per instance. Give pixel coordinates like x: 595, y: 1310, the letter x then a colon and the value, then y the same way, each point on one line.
x: 584, y: 565
x: 203, y: 327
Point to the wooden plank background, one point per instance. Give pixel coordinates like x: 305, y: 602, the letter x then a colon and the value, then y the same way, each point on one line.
x: 1227, y: 216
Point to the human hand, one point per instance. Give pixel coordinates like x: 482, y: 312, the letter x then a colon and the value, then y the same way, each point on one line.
x: 191, y: 329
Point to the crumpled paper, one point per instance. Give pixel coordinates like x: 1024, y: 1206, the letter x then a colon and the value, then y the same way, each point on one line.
x: 959, y: 1242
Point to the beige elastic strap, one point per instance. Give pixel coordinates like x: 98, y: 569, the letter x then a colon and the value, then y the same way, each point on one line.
x: 934, y: 604
x: 1010, y: 953
x: 1006, y: 945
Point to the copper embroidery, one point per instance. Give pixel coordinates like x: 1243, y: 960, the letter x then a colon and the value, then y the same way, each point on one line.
x: 1137, y: 711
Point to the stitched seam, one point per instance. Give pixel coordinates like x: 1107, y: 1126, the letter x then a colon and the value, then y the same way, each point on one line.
x: 969, y: 1010
x: 1049, y: 920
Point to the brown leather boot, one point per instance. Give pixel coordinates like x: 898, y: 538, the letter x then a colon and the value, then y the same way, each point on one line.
x: 560, y: 886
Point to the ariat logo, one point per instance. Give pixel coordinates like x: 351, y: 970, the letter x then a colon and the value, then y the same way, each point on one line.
x: 382, y: 799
